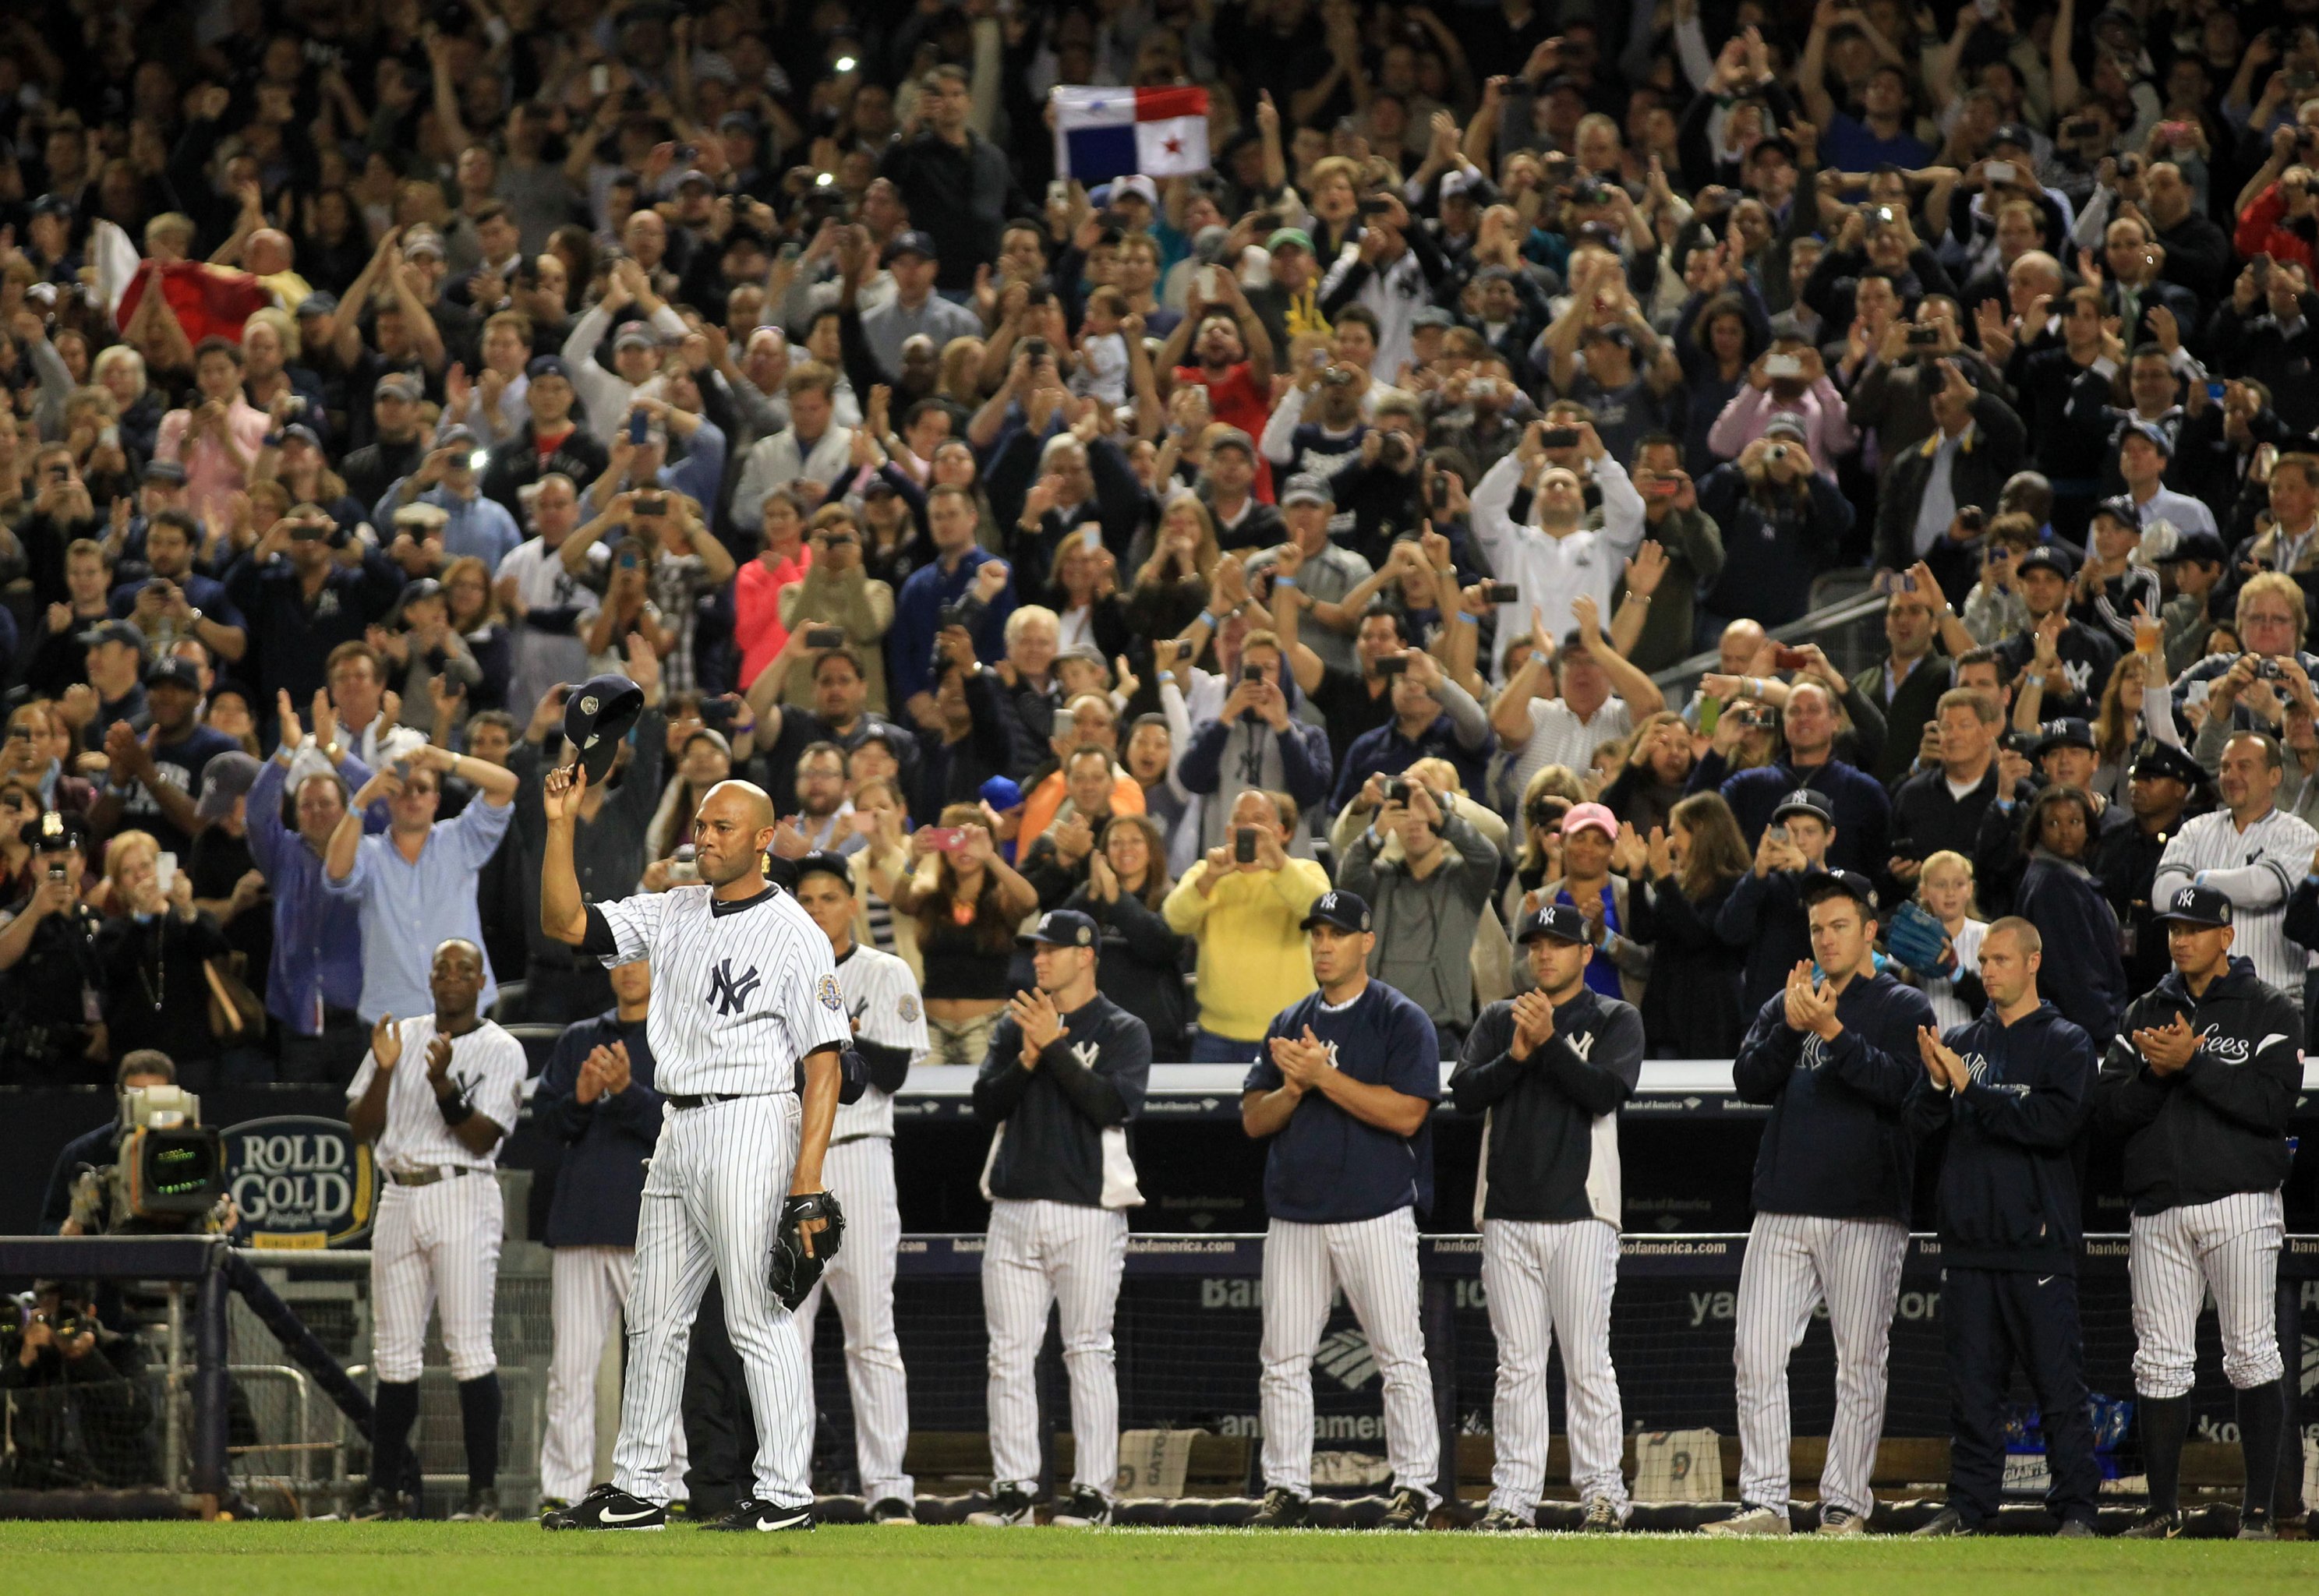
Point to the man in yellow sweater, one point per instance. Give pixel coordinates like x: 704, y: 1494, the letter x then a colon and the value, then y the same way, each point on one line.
x: 1245, y: 903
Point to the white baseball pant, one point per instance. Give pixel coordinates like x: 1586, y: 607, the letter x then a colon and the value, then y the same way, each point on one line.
x: 1794, y: 1263
x: 711, y: 1204
x: 434, y: 1246
x: 1541, y: 1280
x: 589, y: 1288
x: 860, y: 1280
x: 2230, y: 1246
x: 1375, y: 1260
x: 1037, y: 1255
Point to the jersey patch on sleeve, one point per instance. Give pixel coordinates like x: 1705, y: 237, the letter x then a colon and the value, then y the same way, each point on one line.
x: 827, y: 992
x: 909, y: 1008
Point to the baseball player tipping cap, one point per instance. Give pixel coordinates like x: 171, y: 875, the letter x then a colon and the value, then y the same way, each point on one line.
x: 596, y: 716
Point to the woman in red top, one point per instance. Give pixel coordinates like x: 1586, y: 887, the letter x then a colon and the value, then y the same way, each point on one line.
x: 756, y: 588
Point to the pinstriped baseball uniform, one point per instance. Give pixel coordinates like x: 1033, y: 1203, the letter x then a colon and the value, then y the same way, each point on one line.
x: 1341, y: 1194
x: 742, y: 990
x: 1832, y: 1196
x: 439, y: 1243
x: 2256, y: 869
x: 881, y: 999
x: 1547, y: 1201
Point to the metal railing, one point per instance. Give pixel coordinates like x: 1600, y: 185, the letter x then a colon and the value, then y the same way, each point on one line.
x: 1850, y: 630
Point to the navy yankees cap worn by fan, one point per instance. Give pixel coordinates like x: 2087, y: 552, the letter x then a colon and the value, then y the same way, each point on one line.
x: 2069, y: 732
x: 2198, y: 905
x: 1347, y: 910
x: 596, y: 714
x: 1560, y: 921
x: 2045, y: 557
x: 1060, y: 928
x: 1803, y: 800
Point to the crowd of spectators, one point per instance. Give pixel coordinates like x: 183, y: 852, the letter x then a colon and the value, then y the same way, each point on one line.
x: 1172, y: 550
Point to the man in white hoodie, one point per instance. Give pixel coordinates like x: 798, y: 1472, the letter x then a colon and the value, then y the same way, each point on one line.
x: 1556, y: 558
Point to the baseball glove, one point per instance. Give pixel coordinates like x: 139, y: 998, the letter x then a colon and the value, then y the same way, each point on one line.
x: 796, y: 1271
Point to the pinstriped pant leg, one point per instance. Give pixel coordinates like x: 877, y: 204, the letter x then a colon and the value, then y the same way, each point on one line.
x: 746, y: 1175
x: 1015, y: 1296
x: 674, y: 1261
x: 584, y: 1302
x: 1376, y: 1260
x: 1860, y: 1263
x: 402, y: 1287
x: 1582, y: 1271
x: 1087, y: 1262
x: 1298, y: 1286
x: 861, y: 1281
x: 1779, y: 1287
x: 1514, y: 1283
x: 2238, y: 1240
x: 2169, y: 1289
x: 465, y: 1259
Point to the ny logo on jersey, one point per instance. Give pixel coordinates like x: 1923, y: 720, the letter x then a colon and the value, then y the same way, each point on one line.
x: 730, y: 996
x: 1087, y: 1054
x: 1582, y: 1044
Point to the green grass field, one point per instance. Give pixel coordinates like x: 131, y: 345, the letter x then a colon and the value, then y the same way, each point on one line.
x: 521, y: 1560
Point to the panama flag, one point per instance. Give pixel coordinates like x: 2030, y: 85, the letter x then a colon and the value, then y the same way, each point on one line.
x: 1102, y: 133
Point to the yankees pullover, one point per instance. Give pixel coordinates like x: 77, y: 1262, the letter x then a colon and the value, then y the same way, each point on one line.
x: 1089, y: 1079
x: 2009, y: 1185
x: 1550, y: 1124
x: 2218, y: 1125
x: 1836, y: 1146
x: 1324, y: 1166
x: 600, y: 1183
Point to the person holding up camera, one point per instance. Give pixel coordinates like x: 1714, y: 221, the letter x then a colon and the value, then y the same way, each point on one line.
x: 1255, y: 740
x: 1245, y: 903
x: 1428, y: 901
x: 55, y: 1036
x: 279, y: 586
x: 680, y: 558
x: 1556, y: 558
x: 1432, y: 717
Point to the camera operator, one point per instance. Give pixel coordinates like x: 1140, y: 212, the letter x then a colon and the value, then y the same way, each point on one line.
x: 97, y: 1149
x: 101, y: 1436
x: 55, y: 1032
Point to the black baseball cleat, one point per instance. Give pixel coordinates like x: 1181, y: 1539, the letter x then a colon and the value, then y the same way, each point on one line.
x: 1085, y: 1509
x: 892, y: 1509
x: 607, y: 1507
x: 2153, y: 1525
x: 1009, y: 1508
x: 1947, y: 1522
x: 752, y: 1515
x: 482, y: 1507
x: 1410, y: 1511
x: 376, y: 1506
x: 1282, y: 1509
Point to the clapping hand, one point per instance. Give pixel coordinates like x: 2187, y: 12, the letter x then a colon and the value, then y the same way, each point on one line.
x: 2166, y: 1048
